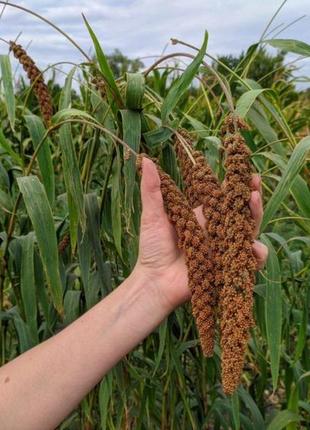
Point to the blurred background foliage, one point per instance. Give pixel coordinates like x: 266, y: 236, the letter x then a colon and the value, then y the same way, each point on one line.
x: 74, y: 178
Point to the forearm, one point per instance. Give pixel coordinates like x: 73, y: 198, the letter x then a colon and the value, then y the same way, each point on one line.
x: 39, y: 388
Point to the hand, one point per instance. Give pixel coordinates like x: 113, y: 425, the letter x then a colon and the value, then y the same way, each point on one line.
x: 160, y: 260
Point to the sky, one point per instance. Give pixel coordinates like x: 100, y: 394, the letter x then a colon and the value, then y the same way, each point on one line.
x: 142, y: 28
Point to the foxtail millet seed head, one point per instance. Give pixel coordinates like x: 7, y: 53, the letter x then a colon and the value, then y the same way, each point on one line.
x: 36, y: 78
x: 192, y: 240
x: 238, y: 262
x: 99, y: 84
x: 63, y: 244
x: 203, y: 188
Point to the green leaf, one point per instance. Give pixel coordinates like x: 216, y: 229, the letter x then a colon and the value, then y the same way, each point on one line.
x: 7, y: 80
x: 299, y: 189
x: 131, y: 122
x: 104, y: 65
x: 293, y: 167
x: 245, y: 102
x: 135, y: 90
x: 116, y: 203
x: 93, y: 232
x: 37, y: 131
x: 6, y: 201
x: 273, y: 309
x: 71, y: 168
x: 180, y: 85
x: 262, y: 125
x: 256, y: 416
x: 282, y: 419
x: 71, y: 306
x: 42, y: 293
x: 290, y: 45
x: 157, y: 136
x: 41, y: 216
x: 4, y: 144
x: 162, y: 343
x: 293, y: 404
x: 25, y: 341
x: 105, y: 394
x: 235, y: 410
x: 66, y: 112
x: 27, y: 285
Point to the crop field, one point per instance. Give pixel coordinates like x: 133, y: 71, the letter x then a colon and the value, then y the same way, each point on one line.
x: 70, y: 216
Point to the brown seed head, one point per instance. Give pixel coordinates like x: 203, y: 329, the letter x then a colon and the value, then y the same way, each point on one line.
x: 36, y: 78
x: 236, y: 297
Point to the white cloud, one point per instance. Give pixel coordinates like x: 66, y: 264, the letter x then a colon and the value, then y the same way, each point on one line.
x: 143, y: 27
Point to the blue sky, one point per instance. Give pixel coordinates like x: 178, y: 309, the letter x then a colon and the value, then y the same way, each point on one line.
x: 142, y: 28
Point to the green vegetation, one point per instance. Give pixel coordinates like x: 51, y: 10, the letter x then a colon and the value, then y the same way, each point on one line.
x: 75, y: 178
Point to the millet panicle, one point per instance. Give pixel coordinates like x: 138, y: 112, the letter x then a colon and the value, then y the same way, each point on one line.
x: 36, y: 78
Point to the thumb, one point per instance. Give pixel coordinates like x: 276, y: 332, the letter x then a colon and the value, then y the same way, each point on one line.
x: 152, y: 200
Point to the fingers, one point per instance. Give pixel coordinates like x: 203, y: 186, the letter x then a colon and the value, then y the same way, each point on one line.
x: 256, y: 203
x: 256, y: 183
x: 152, y: 200
x: 200, y: 216
x: 261, y: 253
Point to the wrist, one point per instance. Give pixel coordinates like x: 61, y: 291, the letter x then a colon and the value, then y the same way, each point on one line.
x: 169, y: 290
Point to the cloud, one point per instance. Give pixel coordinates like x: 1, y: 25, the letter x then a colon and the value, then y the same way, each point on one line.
x: 144, y: 27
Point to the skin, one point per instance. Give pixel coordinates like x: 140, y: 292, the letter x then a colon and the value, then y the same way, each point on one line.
x: 42, y: 386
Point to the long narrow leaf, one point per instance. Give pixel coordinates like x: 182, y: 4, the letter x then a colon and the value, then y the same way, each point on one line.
x: 282, y: 419
x: 71, y: 169
x: 37, y: 130
x: 132, y: 136
x: 134, y: 90
x: 245, y: 102
x: 27, y: 285
x: 273, y: 309
x: 116, y: 203
x: 41, y: 216
x: 294, y: 165
x: 104, y: 65
x: 7, y: 79
x: 180, y: 85
x: 290, y: 45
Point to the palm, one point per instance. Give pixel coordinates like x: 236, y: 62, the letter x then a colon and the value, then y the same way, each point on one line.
x: 159, y: 255
x: 159, y: 252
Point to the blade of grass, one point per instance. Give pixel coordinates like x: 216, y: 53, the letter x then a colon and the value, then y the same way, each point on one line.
x: 290, y: 45
x: 235, y: 410
x: 282, y: 419
x: 37, y: 131
x: 71, y: 169
x: 27, y: 285
x: 131, y: 122
x: 273, y: 309
x: 116, y: 203
x: 245, y: 102
x: 181, y: 84
x: 41, y: 216
x: 104, y: 65
x: 293, y: 167
x: 7, y: 80
x: 4, y: 144
x: 135, y: 90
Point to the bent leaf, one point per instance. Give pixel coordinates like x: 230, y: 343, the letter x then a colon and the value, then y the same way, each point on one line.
x: 293, y: 167
x: 290, y: 45
x: 180, y: 85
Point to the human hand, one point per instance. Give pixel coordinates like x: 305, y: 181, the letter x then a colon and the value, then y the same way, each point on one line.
x: 160, y: 259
